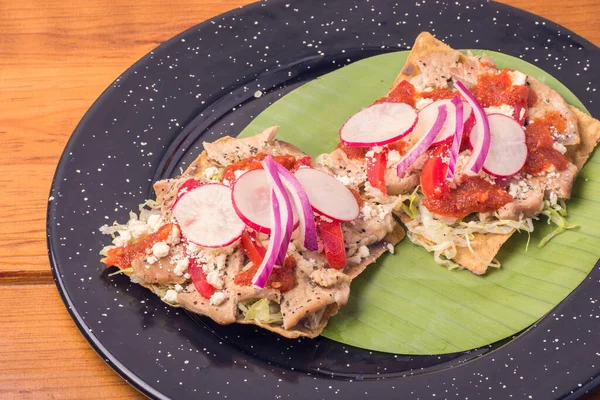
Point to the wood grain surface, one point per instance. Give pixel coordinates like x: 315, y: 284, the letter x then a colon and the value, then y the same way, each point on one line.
x: 56, y: 58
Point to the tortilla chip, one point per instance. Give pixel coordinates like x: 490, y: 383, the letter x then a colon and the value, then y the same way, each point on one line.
x: 486, y: 246
x: 193, y: 302
x: 425, y: 44
x: 589, y: 133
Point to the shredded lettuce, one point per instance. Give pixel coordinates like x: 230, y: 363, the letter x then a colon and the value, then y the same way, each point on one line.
x: 262, y: 311
x: 411, y: 208
x: 442, y: 238
x: 556, y: 215
x: 126, y: 271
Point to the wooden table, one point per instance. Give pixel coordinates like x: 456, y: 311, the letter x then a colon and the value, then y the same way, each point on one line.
x: 55, y: 59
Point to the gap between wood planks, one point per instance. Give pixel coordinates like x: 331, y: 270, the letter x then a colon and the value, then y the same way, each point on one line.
x: 25, y: 277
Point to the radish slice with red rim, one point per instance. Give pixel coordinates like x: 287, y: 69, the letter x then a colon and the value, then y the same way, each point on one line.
x: 379, y: 124
x: 481, y: 131
x: 251, y: 196
x: 508, y: 150
x: 429, y: 113
x: 327, y: 195
x: 308, y: 229
x: 206, y: 216
x: 424, y: 142
x: 458, y: 135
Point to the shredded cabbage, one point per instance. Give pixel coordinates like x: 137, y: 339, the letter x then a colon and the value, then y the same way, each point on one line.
x: 442, y: 238
x: 556, y: 214
x: 411, y: 208
x: 262, y: 311
x: 126, y: 271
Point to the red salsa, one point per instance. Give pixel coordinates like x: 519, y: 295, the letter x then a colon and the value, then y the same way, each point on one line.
x: 282, y: 279
x: 438, y: 94
x: 540, y: 144
x: 122, y: 256
x: 404, y: 92
x: 253, y: 162
x: 497, y: 89
x: 474, y: 194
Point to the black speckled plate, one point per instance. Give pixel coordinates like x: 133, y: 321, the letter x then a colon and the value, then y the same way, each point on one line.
x: 201, y: 85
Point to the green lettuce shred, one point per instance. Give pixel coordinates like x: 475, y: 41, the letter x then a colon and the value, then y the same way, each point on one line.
x: 125, y: 271
x: 262, y: 311
x: 411, y: 209
x: 556, y: 215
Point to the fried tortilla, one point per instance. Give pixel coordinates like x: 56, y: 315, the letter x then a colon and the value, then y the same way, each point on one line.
x: 319, y: 291
x: 432, y: 62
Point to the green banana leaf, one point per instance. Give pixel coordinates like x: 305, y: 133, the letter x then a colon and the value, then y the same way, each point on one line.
x: 406, y: 303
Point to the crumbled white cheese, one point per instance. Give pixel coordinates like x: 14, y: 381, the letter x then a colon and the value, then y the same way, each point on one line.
x: 217, y: 298
x: 151, y: 259
x: 422, y: 103
x: 522, y: 114
x: 193, y: 248
x: 517, y: 78
x: 373, y: 192
x: 390, y: 248
x: 393, y: 158
x: 377, y: 149
x: 178, y: 288
x: 137, y: 228
x: 175, y: 236
x: 214, y: 279
x: 210, y: 172
x: 370, y: 153
x: 186, y: 276
x: 559, y: 147
x: 363, y: 252
x: 346, y: 180
x: 367, y: 211
x: 154, y: 222
x: 181, y: 267
x: 170, y: 296
x: 160, y: 249
x: 502, y: 109
x: 238, y: 173
x: 553, y: 199
x: 122, y: 239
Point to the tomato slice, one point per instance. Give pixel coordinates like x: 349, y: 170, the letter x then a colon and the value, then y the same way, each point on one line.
x: 376, y: 169
x: 305, y: 161
x: 199, y: 279
x: 333, y: 243
x: 433, y: 174
x: 253, y: 248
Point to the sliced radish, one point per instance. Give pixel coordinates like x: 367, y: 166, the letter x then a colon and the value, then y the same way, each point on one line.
x: 458, y: 135
x: 508, y: 151
x: 251, y: 196
x: 207, y: 217
x: 379, y: 124
x: 428, y: 114
x: 481, y: 131
x: 327, y: 195
x: 424, y: 142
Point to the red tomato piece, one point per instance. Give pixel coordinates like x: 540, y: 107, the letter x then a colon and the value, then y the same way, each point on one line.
x: 433, y: 175
x: 199, y: 279
x: 305, y: 161
x: 253, y: 248
x: 376, y: 170
x: 333, y: 243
